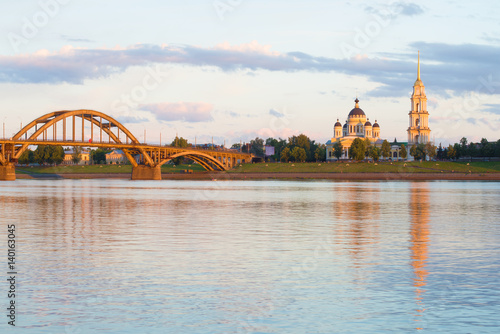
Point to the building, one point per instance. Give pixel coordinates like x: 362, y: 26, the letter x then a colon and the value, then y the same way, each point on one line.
x: 357, y: 125
x: 418, y: 130
x: 116, y: 157
x: 84, y: 157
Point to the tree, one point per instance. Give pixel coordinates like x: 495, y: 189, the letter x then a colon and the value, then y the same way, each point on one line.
x: 402, y: 152
x: 285, y: 155
x: 236, y: 146
x: 463, y: 147
x: 430, y: 150
x: 27, y: 157
x: 39, y: 154
x: 357, y: 150
x: 299, y: 154
x: 337, y: 149
x: 57, y: 154
x: 472, y: 150
x: 386, y: 149
x: 458, y: 150
x: 497, y: 149
x: 368, y: 145
x: 418, y: 151
x: 48, y: 154
x: 320, y: 153
x: 257, y: 147
x: 99, y: 156
x: 304, y: 142
x: 77, y: 154
x: 179, y: 142
x: 374, y: 153
x: 440, y: 152
x: 452, y: 153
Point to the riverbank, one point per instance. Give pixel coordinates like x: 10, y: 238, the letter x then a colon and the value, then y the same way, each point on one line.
x: 286, y: 171
x: 286, y: 176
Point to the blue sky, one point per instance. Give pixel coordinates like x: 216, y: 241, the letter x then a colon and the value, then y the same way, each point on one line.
x: 237, y: 69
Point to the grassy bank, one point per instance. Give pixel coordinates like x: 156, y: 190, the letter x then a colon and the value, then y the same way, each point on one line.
x: 101, y: 169
x: 364, y: 167
x: 334, y: 167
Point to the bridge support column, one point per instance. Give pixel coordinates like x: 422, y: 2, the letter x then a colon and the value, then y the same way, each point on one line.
x: 8, y: 173
x: 142, y: 172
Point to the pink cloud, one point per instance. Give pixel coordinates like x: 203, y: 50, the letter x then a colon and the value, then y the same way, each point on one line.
x: 180, y: 111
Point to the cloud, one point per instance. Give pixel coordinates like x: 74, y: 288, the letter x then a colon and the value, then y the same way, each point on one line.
x: 72, y: 39
x: 408, y: 8
x: 131, y: 119
x: 181, y: 111
x: 274, y: 112
x: 396, y: 9
x: 446, y: 68
x: 491, y: 108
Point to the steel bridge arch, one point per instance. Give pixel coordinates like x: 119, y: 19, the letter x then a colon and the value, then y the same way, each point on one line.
x: 202, y: 158
x: 52, y: 118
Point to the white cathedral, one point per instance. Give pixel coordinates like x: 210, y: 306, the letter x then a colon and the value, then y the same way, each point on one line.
x: 358, y: 125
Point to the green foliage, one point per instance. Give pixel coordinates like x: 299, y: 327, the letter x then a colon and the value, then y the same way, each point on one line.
x: 452, y: 153
x: 76, y: 157
x: 320, y: 153
x: 386, y: 149
x: 430, y: 150
x: 403, y: 152
x: 179, y: 142
x: 418, y: 152
x: 374, y: 153
x: 57, y: 154
x: 337, y: 149
x: 358, y: 149
x: 285, y: 154
x: 27, y: 157
x: 299, y: 154
x: 368, y: 145
x: 99, y: 156
x: 257, y: 147
x: 48, y: 154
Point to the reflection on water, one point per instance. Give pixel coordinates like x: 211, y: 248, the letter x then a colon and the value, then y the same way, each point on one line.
x: 258, y: 256
x: 419, y: 231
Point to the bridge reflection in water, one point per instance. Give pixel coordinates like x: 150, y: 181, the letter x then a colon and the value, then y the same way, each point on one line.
x: 70, y: 127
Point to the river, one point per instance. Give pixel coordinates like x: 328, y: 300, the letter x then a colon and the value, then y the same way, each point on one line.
x: 119, y: 256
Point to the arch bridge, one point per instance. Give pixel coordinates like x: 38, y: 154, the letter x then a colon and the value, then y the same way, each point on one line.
x: 91, y: 128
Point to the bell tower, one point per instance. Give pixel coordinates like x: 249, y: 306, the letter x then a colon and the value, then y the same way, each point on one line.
x: 418, y: 130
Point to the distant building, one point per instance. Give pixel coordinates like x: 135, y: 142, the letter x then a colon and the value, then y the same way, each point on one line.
x: 116, y: 157
x: 418, y: 131
x: 357, y: 125
x: 84, y: 157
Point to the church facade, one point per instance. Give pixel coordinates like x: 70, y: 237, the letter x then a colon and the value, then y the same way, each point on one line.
x: 358, y: 125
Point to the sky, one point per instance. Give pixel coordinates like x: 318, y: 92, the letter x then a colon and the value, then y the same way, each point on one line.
x: 233, y: 70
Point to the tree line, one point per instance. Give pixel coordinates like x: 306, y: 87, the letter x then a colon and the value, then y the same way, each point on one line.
x: 49, y: 155
x: 296, y: 149
x: 466, y: 149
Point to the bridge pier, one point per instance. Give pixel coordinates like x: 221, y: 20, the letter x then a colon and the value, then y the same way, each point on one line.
x: 8, y: 173
x: 143, y: 172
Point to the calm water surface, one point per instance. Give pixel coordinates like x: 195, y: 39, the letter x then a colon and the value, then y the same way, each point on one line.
x: 116, y: 256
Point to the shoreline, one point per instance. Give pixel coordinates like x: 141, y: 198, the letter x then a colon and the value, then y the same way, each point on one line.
x: 284, y: 176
